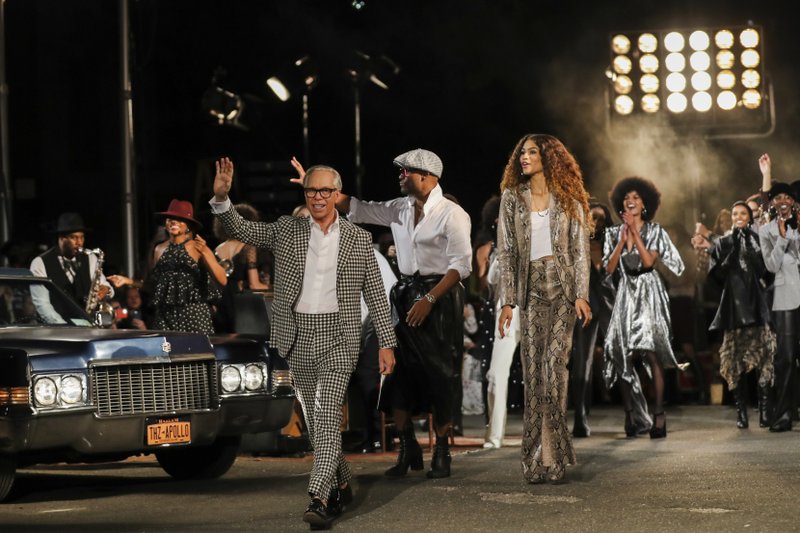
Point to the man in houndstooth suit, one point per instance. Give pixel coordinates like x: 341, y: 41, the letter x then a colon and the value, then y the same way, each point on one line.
x: 323, y: 264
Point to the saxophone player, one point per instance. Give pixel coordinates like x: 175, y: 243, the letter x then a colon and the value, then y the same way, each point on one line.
x: 71, y: 270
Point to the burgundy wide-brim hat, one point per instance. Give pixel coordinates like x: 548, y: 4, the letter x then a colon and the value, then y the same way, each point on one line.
x: 181, y: 210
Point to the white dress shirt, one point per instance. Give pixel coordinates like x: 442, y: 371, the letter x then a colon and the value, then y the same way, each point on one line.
x: 318, y: 294
x: 438, y: 243
x: 388, y: 278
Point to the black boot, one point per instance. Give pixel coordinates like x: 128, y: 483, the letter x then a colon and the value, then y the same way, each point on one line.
x: 580, y: 428
x: 440, y: 464
x: 740, y: 394
x: 410, y: 455
x: 763, y: 406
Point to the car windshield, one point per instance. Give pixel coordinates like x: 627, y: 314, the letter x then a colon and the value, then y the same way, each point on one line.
x: 33, y: 302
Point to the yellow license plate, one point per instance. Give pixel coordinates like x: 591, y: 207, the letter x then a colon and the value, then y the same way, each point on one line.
x: 168, y: 431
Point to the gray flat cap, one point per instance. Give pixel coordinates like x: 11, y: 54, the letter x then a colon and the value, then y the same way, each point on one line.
x: 421, y: 160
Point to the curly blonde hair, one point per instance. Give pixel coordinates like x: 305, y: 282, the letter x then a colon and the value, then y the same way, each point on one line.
x: 561, y: 172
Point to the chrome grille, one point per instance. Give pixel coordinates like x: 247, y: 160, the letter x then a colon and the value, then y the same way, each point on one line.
x: 154, y: 388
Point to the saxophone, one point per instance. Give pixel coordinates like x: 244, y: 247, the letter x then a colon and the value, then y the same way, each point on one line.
x: 93, y: 303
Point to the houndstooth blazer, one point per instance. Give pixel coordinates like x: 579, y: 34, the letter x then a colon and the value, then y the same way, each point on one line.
x: 357, y: 272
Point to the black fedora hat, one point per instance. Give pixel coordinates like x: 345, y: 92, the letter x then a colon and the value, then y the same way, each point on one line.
x: 69, y: 223
x: 778, y: 187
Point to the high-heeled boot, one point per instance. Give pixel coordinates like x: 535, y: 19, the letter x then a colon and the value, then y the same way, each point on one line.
x: 740, y: 394
x: 410, y: 455
x: 630, y: 427
x: 763, y: 406
x: 440, y: 464
x: 657, y: 432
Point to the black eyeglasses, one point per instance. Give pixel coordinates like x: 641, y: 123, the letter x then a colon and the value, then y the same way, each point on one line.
x: 311, y: 192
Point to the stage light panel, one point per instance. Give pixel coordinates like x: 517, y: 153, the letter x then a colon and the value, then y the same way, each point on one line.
x: 710, y: 78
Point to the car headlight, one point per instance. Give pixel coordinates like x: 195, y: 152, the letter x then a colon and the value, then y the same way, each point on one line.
x: 71, y: 390
x: 55, y: 391
x: 231, y: 378
x: 45, y: 392
x: 253, y: 377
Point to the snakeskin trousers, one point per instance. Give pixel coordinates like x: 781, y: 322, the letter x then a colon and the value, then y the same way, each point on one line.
x: 547, y: 325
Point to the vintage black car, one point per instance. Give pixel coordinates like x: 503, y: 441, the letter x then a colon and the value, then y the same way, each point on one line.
x: 73, y: 392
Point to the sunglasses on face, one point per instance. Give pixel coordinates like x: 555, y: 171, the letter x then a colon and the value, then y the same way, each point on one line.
x: 405, y: 172
x: 312, y: 192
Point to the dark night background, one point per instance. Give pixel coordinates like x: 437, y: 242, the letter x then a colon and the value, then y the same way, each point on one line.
x: 475, y: 76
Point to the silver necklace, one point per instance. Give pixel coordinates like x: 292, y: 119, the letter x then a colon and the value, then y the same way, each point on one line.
x: 543, y: 213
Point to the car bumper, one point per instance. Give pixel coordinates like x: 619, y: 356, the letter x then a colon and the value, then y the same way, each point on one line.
x: 83, y: 433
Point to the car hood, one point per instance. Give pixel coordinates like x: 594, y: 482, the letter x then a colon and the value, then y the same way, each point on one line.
x: 60, y: 348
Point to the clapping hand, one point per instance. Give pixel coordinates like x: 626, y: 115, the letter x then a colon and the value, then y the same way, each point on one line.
x: 223, y: 179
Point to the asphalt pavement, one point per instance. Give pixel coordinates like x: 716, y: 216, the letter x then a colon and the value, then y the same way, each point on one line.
x: 707, y: 475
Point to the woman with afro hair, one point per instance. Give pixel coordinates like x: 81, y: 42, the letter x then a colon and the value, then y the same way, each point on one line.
x: 640, y: 324
x: 543, y: 252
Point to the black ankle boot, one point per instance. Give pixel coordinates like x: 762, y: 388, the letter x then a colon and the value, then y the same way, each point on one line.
x: 763, y: 407
x: 741, y: 396
x: 410, y: 455
x: 741, y: 409
x: 659, y: 432
x: 440, y: 464
x: 630, y: 427
x: 580, y: 428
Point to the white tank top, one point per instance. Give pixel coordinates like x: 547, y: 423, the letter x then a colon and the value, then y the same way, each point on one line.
x: 541, y: 243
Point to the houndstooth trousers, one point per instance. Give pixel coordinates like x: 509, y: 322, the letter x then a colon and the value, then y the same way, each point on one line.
x: 321, y: 366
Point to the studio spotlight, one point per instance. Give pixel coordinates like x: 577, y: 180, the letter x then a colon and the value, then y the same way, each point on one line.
x: 223, y: 105
x: 300, y: 77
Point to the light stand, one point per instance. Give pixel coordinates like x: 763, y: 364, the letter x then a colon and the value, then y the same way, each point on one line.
x: 380, y: 71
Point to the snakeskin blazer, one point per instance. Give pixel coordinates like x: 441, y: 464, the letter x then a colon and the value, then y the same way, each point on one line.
x: 570, y: 242
x: 357, y: 272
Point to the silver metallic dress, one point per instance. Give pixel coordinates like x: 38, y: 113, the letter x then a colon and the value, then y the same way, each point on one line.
x: 640, y: 321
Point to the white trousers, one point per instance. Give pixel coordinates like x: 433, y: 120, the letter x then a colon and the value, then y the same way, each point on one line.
x: 497, y: 378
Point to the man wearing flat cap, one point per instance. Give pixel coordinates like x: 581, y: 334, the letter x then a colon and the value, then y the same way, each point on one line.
x: 432, y: 237
x: 780, y: 246
x: 68, y: 266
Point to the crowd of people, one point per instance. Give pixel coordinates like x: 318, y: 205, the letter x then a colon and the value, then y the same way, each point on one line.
x: 428, y: 317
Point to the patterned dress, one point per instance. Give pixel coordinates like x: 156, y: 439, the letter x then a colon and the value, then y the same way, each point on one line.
x: 743, y: 314
x: 182, y: 292
x: 640, y: 321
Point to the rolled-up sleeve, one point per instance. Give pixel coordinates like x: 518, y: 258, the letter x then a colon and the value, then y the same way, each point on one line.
x: 459, y: 246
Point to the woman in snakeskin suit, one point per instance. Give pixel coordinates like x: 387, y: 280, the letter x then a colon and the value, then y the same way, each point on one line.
x: 543, y: 249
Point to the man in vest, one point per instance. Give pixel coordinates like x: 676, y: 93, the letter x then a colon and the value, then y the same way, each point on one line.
x: 71, y: 270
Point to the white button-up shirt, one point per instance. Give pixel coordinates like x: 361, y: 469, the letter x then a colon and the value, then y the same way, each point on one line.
x: 319, y: 279
x: 438, y: 243
x: 318, y: 294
